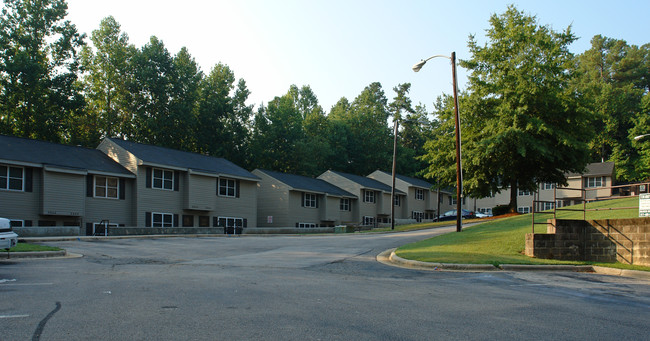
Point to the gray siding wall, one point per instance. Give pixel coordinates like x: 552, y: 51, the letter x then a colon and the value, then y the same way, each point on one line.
x: 243, y: 207
x: 116, y: 211
x: 200, y: 193
x: 359, y: 208
x: 272, y: 201
x: 63, y: 194
x: 23, y: 205
x: 157, y: 200
x: 299, y: 214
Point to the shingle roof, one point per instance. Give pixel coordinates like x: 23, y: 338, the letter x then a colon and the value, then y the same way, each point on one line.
x: 367, y: 182
x: 177, y: 158
x: 412, y: 181
x: 47, y: 153
x: 304, y: 183
x: 596, y: 169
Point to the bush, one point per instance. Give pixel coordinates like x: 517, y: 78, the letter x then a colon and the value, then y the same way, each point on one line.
x: 500, y: 209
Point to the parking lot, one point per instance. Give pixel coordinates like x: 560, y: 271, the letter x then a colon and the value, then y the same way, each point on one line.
x: 300, y: 288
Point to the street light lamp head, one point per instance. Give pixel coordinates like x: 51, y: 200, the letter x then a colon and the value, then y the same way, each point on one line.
x: 419, y: 65
x: 636, y: 138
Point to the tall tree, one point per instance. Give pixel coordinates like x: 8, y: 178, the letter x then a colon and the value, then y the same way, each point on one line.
x: 613, y: 76
x: 369, y: 139
x: 521, y: 126
x: 106, y: 79
x: 38, y: 69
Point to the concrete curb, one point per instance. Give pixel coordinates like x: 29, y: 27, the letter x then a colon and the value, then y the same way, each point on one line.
x: 390, y: 258
x: 35, y: 254
x: 530, y: 267
x: 621, y: 272
x: 413, y: 264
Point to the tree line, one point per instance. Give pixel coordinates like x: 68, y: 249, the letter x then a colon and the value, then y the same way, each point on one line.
x: 531, y: 112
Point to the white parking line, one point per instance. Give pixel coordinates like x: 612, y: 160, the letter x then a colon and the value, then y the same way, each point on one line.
x: 24, y: 284
x: 12, y: 316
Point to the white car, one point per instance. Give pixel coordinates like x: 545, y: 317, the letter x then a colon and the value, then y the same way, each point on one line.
x: 8, y: 238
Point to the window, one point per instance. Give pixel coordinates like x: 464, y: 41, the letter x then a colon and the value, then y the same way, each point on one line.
x: 230, y: 222
x: 310, y: 200
x: 419, y: 194
x: 547, y: 206
x: 306, y: 225
x: 368, y: 220
x: 11, y: 178
x: 417, y: 216
x: 344, y: 204
x: 106, y: 187
x: 524, y: 209
x: 162, y: 220
x: 188, y: 220
x: 452, y: 201
x: 204, y: 221
x: 522, y: 192
x: 548, y: 185
x: 398, y: 200
x: 227, y: 187
x: 368, y: 196
x: 16, y: 223
x: 595, y: 181
x: 162, y: 179
x: 559, y: 203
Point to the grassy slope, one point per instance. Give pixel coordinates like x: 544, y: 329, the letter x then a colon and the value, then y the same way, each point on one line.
x: 26, y: 247
x: 502, y: 241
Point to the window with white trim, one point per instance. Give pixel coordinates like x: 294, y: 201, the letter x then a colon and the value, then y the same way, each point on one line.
x: 398, y: 200
x: 452, y: 200
x: 162, y: 219
x: 12, y: 178
x: 106, y: 187
x: 548, y: 206
x: 306, y: 225
x: 227, y: 187
x: 162, y: 179
x: 419, y: 194
x: 309, y: 200
x: 368, y: 196
x: 523, y: 192
x: 524, y: 209
x: 367, y: 220
x: 230, y: 222
x: 548, y: 185
x: 417, y: 215
x: 594, y: 181
x: 344, y: 204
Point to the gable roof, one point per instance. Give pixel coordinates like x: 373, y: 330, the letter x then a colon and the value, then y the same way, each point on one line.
x: 367, y: 182
x: 44, y: 154
x: 303, y: 183
x: 596, y: 169
x: 181, y: 159
x: 414, y: 182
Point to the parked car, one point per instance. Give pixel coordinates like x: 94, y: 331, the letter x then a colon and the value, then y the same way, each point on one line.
x: 8, y: 238
x: 451, y: 215
x: 482, y: 215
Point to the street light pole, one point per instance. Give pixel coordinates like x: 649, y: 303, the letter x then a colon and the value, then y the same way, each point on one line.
x: 392, y: 189
x: 459, y: 173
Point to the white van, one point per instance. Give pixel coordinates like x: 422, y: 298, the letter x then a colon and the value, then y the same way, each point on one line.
x: 8, y: 238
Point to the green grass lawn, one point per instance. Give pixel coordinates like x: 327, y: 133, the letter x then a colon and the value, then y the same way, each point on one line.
x: 26, y: 247
x: 502, y: 241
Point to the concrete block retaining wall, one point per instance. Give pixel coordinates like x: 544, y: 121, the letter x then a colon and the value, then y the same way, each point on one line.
x: 610, y: 240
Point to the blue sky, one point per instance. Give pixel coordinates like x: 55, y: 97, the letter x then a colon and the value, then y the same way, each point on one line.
x: 340, y: 46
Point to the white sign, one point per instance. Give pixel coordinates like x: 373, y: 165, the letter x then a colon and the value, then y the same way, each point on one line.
x: 269, y: 219
x: 644, y: 205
